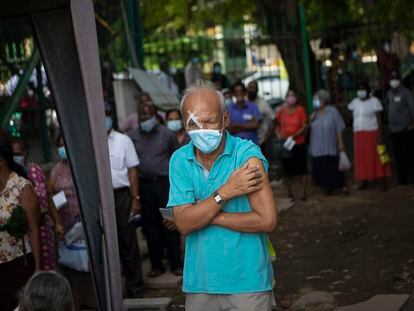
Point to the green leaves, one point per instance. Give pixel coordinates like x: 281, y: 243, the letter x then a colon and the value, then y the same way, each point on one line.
x: 16, y: 225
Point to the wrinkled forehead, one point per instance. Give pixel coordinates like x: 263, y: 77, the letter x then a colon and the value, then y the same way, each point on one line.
x: 203, y: 105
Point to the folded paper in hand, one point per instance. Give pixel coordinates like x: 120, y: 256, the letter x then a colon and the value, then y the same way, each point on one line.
x: 289, y: 144
x: 166, y: 213
x: 59, y: 200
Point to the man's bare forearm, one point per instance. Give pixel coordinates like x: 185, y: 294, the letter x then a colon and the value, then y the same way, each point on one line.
x: 250, y: 222
x: 133, y: 180
x: 193, y: 217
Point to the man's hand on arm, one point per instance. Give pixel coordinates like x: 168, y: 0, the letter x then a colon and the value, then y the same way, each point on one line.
x: 193, y: 217
x: 262, y: 218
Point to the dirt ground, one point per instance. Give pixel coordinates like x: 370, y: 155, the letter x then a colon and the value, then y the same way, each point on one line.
x: 354, y: 247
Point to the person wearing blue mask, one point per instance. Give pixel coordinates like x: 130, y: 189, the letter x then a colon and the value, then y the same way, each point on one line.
x: 326, y: 143
x: 175, y: 124
x: 124, y: 161
x: 154, y: 144
x: 223, y: 204
x: 65, y: 218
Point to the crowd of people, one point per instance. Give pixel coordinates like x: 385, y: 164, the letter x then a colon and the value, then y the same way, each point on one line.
x: 174, y: 161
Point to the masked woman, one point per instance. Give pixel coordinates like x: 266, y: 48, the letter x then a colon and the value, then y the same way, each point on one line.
x: 291, y: 122
x: 366, y: 112
x: 68, y: 215
x: 175, y: 124
x: 326, y: 126
x: 19, y: 229
x: 38, y: 178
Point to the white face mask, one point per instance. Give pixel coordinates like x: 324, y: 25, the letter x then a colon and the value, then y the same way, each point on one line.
x: 362, y: 94
x: 394, y: 83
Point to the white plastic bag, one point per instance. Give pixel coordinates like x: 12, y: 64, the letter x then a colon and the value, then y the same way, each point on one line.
x: 344, y: 163
x: 74, y: 256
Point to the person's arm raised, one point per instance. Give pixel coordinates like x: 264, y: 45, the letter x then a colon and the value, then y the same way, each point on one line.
x: 262, y: 218
x: 193, y: 217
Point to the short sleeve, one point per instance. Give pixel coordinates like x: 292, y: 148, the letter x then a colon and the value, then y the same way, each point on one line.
x: 23, y: 182
x: 131, y: 157
x: 339, y: 121
x: 181, y: 186
x: 256, y: 112
x: 54, y: 171
x: 302, y: 114
x: 351, y: 105
x: 376, y: 104
x: 247, y: 150
x: 278, y: 115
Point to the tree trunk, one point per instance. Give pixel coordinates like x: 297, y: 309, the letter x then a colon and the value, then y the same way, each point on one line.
x: 281, y: 20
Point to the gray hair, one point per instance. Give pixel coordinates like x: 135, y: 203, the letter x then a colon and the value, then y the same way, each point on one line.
x: 323, y: 96
x: 46, y: 290
x: 203, y: 86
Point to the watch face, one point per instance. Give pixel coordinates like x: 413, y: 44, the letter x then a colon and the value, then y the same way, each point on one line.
x: 218, y: 198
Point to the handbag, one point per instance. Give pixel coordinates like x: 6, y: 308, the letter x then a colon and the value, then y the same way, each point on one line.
x: 383, y: 154
x: 74, y: 256
x: 344, y: 163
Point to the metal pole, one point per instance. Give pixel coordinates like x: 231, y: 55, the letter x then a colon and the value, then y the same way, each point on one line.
x: 21, y: 86
x: 42, y: 105
x: 306, y: 63
x: 128, y: 35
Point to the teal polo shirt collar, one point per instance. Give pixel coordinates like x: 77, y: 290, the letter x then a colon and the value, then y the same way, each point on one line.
x: 228, y: 148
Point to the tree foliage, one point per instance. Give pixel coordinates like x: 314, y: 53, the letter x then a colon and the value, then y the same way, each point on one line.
x: 278, y: 18
x: 183, y: 15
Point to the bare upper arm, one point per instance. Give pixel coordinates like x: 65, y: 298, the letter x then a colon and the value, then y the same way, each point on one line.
x: 262, y: 201
x: 29, y: 203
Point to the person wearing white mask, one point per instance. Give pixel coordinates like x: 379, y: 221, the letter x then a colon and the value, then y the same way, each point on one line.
x: 124, y: 161
x: 366, y: 112
x: 291, y: 124
x: 326, y: 142
x: 154, y: 144
x: 401, y: 125
x: 223, y: 203
x: 175, y: 124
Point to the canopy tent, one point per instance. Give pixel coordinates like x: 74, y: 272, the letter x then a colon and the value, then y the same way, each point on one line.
x: 65, y: 33
x: 160, y: 94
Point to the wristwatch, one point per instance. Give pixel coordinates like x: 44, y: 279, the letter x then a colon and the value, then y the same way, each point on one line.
x: 218, y: 198
x: 137, y: 198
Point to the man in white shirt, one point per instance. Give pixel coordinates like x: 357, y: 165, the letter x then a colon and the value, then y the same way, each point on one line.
x: 124, y: 162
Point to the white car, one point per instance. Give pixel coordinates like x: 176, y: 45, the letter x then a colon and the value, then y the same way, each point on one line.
x: 271, y: 86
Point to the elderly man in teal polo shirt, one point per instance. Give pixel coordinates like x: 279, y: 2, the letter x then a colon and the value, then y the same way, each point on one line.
x: 223, y: 203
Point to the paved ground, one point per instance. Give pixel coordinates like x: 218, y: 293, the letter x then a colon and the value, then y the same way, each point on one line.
x: 354, y: 247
